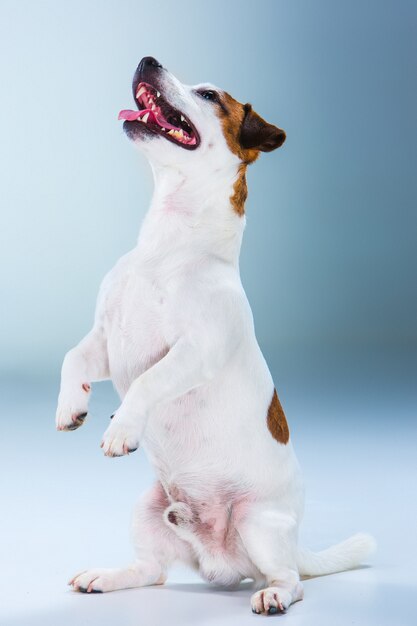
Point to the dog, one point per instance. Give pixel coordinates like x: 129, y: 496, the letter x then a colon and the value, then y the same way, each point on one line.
x: 174, y: 332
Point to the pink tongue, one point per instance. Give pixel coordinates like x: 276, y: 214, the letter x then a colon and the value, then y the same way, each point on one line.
x: 155, y: 116
x: 128, y: 115
x: 163, y: 122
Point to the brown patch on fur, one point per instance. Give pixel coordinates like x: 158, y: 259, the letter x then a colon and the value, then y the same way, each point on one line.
x: 276, y: 421
x: 240, y: 191
x: 246, y: 134
x: 232, y: 114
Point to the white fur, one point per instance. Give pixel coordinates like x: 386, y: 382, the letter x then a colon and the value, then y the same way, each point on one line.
x: 174, y: 332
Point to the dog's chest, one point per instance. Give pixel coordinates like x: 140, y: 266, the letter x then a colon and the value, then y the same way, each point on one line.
x: 137, y: 326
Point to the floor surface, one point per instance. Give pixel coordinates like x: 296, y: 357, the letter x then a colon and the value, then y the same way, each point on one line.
x: 66, y: 508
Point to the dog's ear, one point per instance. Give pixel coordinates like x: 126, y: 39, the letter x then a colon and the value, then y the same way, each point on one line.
x: 258, y: 134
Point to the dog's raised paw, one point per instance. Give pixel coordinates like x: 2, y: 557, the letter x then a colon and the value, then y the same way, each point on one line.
x: 120, y: 438
x: 68, y: 419
x: 77, y: 421
x: 72, y: 406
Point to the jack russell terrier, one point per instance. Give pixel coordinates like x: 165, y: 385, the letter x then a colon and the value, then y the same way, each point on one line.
x: 174, y: 332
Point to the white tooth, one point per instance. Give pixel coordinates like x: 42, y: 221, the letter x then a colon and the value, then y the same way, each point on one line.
x: 182, y: 118
x: 145, y: 118
x: 162, y: 128
x: 153, y: 107
x: 171, y: 132
x: 158, y: 94
x: 180, y: 133
x: 140, y: 91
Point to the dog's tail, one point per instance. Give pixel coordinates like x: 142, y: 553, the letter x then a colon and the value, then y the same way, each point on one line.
x: 338, y: 558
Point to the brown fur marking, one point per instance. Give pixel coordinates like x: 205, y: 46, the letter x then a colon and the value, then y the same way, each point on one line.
x: 231, y: 115
x: 276, y: 421
x: 246, y: 134
x: 240, y: 191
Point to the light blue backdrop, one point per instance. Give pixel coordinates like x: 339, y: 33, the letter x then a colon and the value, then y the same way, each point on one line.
x: 329, y: 264
x: 330, y: 253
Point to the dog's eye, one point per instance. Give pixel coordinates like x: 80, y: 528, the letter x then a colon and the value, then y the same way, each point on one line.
x: 209, y: 95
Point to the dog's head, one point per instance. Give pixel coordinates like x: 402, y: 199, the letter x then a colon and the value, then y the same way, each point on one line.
x: 198, y: 126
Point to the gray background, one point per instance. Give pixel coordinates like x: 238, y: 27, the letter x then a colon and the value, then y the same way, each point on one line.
x: 329, y: 264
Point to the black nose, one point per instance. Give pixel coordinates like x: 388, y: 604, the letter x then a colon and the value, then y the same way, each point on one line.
x: 146, y: 61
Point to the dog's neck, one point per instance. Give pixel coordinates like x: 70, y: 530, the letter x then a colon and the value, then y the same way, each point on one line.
x: 191, y: 216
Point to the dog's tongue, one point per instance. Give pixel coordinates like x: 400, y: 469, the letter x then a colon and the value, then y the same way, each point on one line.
x: 129, y: 115
x: 153, y: 116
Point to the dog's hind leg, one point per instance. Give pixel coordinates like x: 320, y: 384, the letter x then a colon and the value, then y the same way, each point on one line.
x: 156, y: 548
x: 270, y: 538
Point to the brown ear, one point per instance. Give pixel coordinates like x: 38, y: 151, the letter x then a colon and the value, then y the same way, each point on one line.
x: 258, y: 134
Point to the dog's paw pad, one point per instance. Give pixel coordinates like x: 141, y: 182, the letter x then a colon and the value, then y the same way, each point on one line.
x: 67, y: 420
x: 92, y: 590
x: 77, y: 421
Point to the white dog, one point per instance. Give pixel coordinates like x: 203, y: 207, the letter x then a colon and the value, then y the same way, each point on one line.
x: 174, y: 332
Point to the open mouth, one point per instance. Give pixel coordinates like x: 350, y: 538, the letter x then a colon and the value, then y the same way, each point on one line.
x: 161, y: 118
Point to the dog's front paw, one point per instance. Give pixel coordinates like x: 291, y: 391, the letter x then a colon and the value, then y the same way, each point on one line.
x: 121, y: 437
x: 72, y: 408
